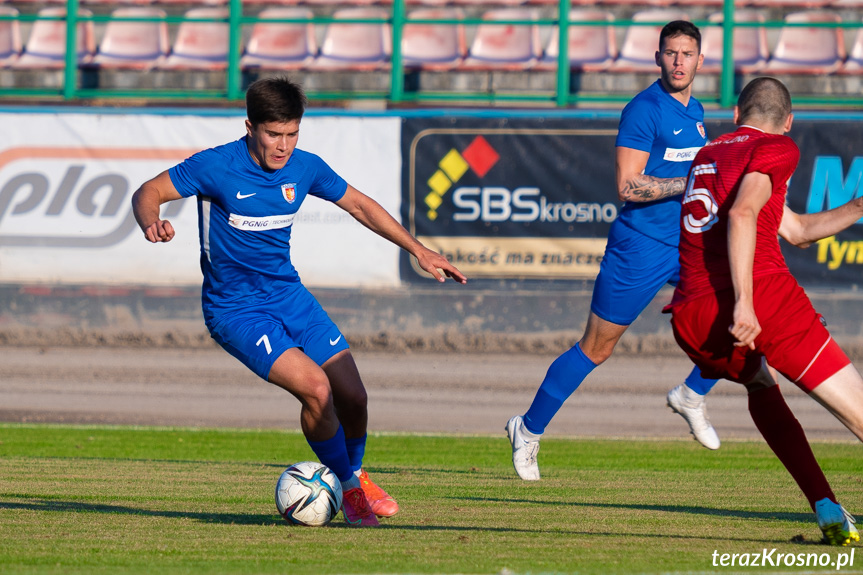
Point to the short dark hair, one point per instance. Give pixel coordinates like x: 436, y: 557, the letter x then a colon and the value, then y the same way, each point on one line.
x: 764, y: 99
x: 680, y: 28
x: 275, y: 99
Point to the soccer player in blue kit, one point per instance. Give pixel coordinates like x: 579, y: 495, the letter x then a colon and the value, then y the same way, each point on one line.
x: 660, y: 131
x: 254, y: 303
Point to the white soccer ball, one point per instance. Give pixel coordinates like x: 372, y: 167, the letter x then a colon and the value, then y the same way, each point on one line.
x: 308, y: 493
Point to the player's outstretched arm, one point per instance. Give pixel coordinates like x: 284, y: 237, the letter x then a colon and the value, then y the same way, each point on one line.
x: 755, y: 191
x: 146, y: 202
x: 803, y: 230
x: 634, y: 186
x: 370, y: 214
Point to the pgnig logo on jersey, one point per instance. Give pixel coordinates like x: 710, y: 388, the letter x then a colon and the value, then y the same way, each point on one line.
x: 75, y: 197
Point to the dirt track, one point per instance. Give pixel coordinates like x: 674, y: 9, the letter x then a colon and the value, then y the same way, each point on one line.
x: 420, y: 392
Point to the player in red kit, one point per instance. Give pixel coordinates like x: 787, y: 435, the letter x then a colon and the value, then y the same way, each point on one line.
x: 737, y: 307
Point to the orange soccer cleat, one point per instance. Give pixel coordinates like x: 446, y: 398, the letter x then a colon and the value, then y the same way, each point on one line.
x: 382, y: 504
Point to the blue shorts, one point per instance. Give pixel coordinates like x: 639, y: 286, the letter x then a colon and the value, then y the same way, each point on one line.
x: 258, y: 335
x: 633, y: 270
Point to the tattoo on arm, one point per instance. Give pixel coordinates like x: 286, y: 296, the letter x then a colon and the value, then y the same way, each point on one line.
x: 643, y: 188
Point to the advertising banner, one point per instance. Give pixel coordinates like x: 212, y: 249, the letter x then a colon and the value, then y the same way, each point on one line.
x: 515, y: 198
x: 66, y: 181
x: 830, y: 174
x: 534, y: 198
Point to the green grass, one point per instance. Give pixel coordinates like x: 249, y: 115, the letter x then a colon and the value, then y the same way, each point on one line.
x: 141, y: 500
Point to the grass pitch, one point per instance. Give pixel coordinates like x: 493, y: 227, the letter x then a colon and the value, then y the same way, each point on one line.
x: 141, y: 500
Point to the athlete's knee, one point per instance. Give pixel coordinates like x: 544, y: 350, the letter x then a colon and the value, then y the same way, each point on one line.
x: 597, y: 351
x: 316, y: 394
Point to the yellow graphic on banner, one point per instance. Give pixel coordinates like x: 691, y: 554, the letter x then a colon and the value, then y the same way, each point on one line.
x: 551, y: 258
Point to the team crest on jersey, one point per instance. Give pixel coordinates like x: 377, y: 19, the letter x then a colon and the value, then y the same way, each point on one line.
x: 289, y: 192
x: 701, y: 130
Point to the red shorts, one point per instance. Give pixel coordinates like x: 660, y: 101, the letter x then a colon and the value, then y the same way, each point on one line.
x: 793, y: 339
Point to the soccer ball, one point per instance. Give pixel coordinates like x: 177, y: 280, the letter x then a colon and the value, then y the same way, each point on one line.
x: 308, y: 493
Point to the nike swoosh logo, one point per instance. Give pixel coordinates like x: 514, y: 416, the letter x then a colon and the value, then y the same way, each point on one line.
x: 675, y: 133
x: 337, y: 340
x: 241, y: 196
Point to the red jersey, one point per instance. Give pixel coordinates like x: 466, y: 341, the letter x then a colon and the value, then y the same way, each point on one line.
x: 714, y: 180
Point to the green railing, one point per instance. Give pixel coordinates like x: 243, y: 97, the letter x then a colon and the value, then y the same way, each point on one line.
x: 397, y: 94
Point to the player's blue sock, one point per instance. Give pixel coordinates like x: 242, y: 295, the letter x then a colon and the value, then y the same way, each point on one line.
x: 334, y: 454
x: 356, y: 449
x: 699, y: 384
x: 563, y: 377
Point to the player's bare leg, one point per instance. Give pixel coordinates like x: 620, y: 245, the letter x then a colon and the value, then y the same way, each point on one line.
x: 786, y: 438
x: 351, y: 404
x: 295, y: 372
x: 600, y: 337
x: 563, y: 377
x: 842, y: 395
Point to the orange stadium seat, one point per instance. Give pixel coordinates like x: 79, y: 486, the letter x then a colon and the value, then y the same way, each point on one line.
x: 200, y: 45
x: 433, y: 46
x: 10, y: 37
x: 640, y: 44
x: 750, y: 44
x: 854, y: 64
x: 505, y: 46
x: 808, y: 50
x: 46, y: 46
x: 590, y: 48
x: 350, y: 46
x: 282, y: 46
x: 133, y: 45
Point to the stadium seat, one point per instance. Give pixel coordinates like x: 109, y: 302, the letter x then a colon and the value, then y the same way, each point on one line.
x: 282, y: 46
x: 119, y: 2
x: 355, y: 46
x: 133, y: 45
x: 505, y: 46
x: 640, y: 44
x: 750, y: 44
x: 854, y: 64
x: 46, y: 46
x: 433, y: 46
x: 489, y: 3
x: 270, y: 3
x: 341, y: 2
x: 200, y: 45
x: 846, y: 4
x: 591, y: 48
x: 195, y: 4
x: 808, y: 50
x: 10, y: 37
x: 792, y: 4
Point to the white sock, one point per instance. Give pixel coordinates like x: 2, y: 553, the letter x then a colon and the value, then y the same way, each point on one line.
x: 529, y: 435
x: 358, y: 471
x: 351, y: 483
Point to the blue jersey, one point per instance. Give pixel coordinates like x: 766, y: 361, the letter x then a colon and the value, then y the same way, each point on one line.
x: 244, y: 220
x: 671, y: 133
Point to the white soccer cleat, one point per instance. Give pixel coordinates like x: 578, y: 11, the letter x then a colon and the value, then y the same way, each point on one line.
x: 524, y: 450
x: 692, y: 407
x: 836, y: 523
